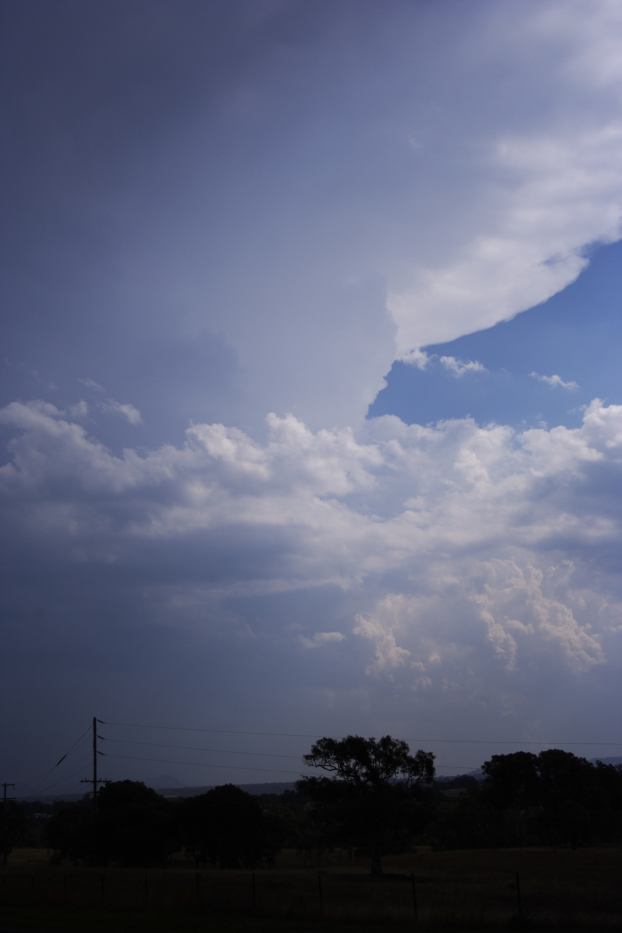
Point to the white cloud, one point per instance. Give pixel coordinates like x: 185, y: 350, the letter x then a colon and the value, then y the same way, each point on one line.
x: 455, y: 543
x: 417, y: 358
x: 124, y: 409
x: 555, y: 381
x: 421, y: 359
x: 387, y: 653
x: 321, y: 639
x: 543, y: 188
x: 89, y: 383
x: 560, y: 193
x: 79, y: 411
x: 461, y: 367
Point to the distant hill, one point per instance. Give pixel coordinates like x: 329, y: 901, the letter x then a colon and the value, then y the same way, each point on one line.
x: 275, y: 787
x: 280, y: 787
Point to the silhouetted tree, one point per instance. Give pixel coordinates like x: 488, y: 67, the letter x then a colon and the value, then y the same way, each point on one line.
x: 70, y: 832
x: 135, y: 824
x: 512, y: 780
x: 373, y: 794
x: 12, y: 827
x: 228, y: 827
x: 554, y: 798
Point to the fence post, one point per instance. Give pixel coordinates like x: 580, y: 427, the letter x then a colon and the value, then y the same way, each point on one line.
x: 146, y: 889
x: 413, y: 887
x: 102, y: 886
x: 519, y: 903
x: 197, y: 889
x: 320, y: 889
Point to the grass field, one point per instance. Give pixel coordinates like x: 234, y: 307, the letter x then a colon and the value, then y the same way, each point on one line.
x: 466, y: 890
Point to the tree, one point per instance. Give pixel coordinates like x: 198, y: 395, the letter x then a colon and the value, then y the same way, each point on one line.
x: 228, y: 827
x: 374, y: 791
x: 554, y: 797
x: 12, y: 827
x: 135, y: 824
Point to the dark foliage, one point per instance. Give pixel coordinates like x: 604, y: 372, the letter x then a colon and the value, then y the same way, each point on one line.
x: 70, y: 832
x: 12, y: 827
x: 227, y: 827
x: 374, y: 798
x: 554, y: 798
x: 133, y: 825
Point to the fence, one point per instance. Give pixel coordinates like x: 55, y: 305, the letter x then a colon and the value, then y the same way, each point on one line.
x: 476, y: 900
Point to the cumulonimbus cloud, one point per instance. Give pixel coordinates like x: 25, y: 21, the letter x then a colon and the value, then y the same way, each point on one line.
x: 436, y: 532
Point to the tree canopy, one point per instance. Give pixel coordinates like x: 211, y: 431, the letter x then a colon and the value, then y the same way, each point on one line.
x: 371, y: 762
x: 371, y: 797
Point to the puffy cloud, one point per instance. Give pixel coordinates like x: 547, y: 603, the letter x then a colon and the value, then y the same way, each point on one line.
x: 555, y: 381
x: 470, y: 569
x: 321, y: 639
x: 421, y: 359
x: 477, y: 518
x: 461, y: 367
x: 417, y: 358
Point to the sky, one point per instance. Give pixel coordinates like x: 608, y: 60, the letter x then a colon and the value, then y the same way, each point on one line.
x: 310, y: 404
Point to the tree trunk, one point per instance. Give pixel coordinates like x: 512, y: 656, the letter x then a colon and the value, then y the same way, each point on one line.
x: 376, y: 858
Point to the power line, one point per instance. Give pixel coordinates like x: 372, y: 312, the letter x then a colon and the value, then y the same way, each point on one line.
x: 151, y: 725
x: 201, y: 748
x: 413, y: 741
x: 63, y: 776
x: 549, y: 743
x: 44, y: 777
x: 202, y: 764
x: 73, y: 747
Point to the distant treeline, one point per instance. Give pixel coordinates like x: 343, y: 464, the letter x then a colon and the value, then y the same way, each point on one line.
x: 524, y: 799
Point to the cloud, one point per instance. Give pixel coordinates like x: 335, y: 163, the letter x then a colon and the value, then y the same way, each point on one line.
x: 417, y: 358
x: 124, y: 409
x: 321, y: 639
x: 89, y: 383
x: 421, y: 359
x: 380, y: 630
x: 556, y: 182
x: 512, y: 182
x: 79, y: 411
x: 459, y: 368
x: 476, y: 567
x: 555, y: 381
x: 440, y: 534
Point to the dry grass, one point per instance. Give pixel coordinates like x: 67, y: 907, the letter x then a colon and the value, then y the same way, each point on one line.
x: 475, y: 890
